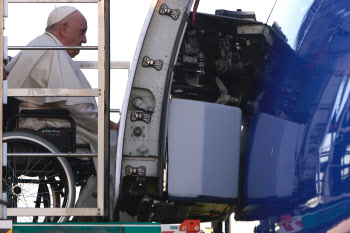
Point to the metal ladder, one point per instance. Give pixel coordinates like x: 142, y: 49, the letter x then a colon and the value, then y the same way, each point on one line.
x: 102, y: 92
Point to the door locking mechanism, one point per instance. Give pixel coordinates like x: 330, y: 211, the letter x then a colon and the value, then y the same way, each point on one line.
x: 148, y: 62
x: 173, y: 13
x: 140, y: 116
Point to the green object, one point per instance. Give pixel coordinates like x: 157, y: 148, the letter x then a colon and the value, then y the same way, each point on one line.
x: 86, y: 227
x: 326, y: 215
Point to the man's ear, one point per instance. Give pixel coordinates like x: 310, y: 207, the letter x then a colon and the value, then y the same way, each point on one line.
x: 64, y: 30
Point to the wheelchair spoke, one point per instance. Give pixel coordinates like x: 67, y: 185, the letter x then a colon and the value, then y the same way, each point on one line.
x: 44, y: 169
x: 37, y: 182
x: 26, y: 175
x: 28, y: 190
x: 29, y: 159
x: 32, y: 167
x: 7, y: 183
x: 43, y: 177
x: 24, y: 202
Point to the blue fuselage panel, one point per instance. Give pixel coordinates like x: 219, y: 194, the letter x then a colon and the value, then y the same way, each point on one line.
x: 297, y: 148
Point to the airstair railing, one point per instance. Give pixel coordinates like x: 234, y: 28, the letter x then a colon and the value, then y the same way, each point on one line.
x: 102, y: 93
x: 3, y: 209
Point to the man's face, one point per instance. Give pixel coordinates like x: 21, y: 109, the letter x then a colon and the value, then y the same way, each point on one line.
x: 76, y: 32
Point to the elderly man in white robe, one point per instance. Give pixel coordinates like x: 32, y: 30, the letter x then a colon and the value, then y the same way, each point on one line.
x: 66, y: 26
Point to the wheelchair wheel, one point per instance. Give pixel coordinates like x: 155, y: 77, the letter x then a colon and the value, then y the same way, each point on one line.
x: 36, y: 182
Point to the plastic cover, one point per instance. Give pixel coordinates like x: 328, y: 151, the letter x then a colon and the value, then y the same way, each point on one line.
x: 204, y: 150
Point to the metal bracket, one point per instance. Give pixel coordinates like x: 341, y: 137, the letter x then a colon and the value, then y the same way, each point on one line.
x: 4, y: 91
x: 4, y: 154
x: 148, y: 62
x: 5, y: 56
x: 137, y: 131
x: 132, y: 171
x: 173, y: 13
x: 4, y: 203
x: 256, y: 30
x: 142, y: 149
x: 140, y: 116
x: 6, y: 8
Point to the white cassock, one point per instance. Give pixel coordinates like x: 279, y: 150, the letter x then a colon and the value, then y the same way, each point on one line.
x: 55, y: 69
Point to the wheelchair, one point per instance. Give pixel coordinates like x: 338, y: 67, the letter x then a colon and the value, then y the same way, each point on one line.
x: 41, y: 182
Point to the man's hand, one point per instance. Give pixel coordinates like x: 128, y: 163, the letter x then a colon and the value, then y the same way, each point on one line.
x: 113, y: 125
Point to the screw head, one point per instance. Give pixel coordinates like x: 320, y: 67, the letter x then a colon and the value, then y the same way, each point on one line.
x: 137, y: 131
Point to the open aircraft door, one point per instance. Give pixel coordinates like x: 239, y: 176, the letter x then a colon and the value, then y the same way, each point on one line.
x: 178, y: 158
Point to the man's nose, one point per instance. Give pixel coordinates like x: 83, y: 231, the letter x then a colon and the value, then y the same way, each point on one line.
x: 84, y: 40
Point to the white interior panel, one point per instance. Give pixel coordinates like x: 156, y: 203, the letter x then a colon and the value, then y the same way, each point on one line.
x: 204, y: 149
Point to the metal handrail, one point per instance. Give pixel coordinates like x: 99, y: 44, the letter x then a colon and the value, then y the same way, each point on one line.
x: 52, y: 48
x: 53, y: 1
x: 22, y: 92
x: 114, y: 110
x: 52, y: 154
x: 94, y: 64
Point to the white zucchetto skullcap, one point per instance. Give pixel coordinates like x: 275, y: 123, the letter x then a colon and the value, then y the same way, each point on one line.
x: 59, y: 13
